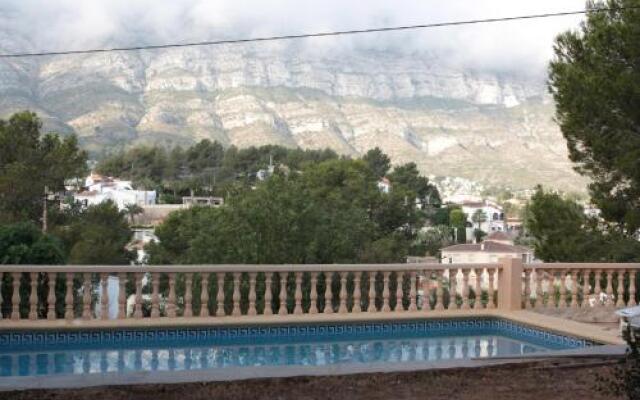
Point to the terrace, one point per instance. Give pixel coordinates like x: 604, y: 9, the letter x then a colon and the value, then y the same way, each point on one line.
x: 465, y: 314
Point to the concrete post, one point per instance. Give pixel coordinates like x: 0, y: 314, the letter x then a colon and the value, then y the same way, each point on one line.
x: 510, y: 284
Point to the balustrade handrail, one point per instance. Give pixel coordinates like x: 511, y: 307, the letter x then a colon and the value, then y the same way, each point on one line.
x: 178, y: 268
x: 581, y: 265
x: 76, y: 293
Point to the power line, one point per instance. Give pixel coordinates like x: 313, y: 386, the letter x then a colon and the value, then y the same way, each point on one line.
x: 310, y: 35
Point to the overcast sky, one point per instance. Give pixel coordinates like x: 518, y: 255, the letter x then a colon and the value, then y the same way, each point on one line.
x: 518, y: 45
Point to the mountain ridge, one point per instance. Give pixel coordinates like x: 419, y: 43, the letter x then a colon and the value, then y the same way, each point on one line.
x: 492, y: 128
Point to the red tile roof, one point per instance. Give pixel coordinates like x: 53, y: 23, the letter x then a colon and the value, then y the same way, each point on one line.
x: 498, y: 235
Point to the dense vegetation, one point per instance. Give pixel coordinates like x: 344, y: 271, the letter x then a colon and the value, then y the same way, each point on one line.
x: 595, y: 81
x: 206, y: 168
x: 326, y: 212
x: 31, y: 162
x: 562, y: 232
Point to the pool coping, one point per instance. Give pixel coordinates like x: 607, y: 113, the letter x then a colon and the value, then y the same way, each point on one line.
x: 524, y: 317
x: 245, y: 373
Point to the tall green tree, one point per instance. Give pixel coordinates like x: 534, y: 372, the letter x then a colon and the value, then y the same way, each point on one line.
x: 408, y: 177
x: 595, y: 81
x: 562, y: 232
x: 379, y: 162
x: 29, y: 162
x: 98, y: 235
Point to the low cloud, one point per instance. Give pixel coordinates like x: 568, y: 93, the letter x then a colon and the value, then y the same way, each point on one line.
x: 523, y: 46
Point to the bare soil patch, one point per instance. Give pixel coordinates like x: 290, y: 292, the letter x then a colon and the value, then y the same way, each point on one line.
x: 561, y: 379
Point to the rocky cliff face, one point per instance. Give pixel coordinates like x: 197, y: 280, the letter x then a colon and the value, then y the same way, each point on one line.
x: 490, y: 128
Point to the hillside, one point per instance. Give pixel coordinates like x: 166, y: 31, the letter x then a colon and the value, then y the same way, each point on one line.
x: 496, y: 129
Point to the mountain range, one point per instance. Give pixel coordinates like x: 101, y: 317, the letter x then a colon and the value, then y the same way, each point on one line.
x: 494, y: 128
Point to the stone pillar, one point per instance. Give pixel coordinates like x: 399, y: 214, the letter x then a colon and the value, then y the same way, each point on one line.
x: 510, y: 284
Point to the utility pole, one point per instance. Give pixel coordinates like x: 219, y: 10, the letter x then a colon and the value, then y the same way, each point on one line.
x: 44, y: 209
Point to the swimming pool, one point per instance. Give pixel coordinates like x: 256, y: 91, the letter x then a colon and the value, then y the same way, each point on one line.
x: 213, y: 349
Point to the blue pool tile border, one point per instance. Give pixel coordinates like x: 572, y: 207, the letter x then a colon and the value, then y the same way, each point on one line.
x: 295, y: 333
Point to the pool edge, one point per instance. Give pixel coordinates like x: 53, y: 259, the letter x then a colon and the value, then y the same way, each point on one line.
x: 532, y: 319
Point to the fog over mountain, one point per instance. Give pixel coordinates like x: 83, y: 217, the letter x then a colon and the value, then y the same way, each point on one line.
x: 467, y: 101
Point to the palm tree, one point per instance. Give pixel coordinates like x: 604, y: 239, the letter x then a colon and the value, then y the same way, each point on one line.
x: 131, y: 210
x: 478, y: 217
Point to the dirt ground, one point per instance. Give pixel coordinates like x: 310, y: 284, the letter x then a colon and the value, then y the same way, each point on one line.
x: 543, y: 380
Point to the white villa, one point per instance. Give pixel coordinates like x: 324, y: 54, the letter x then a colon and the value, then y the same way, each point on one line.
x: 494, y: 216
x: 99, y: 189
x: 384, y: 185
x: 497, y: 245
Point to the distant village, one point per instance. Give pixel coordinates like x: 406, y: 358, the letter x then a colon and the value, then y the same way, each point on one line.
x: 502, y: 230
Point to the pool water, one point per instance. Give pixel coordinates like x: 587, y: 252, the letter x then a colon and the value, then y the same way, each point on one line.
x: 392, y: 343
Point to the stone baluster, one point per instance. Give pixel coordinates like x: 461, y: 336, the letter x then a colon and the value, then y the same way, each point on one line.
x: 68, y: 297
x: 439, y: 292
x: 297, y: 309
x: 620, y: 289
x: 609, y: 302
x: 155, y: 295
x: 236, y: 295
x: 527, y: 288
x: 204, y: 294
x: 137, y: 299
x: 453, y: 283
x: 491, y: 301
x: 477, y: 302
x: 51, y: 297
x: 597, y: 288
x: 220, y: 294
x: 632, y: 289
x: 188, y: 295
x: 283, y: 294
x: 357, y: 294
x: 15, y: 296
x: 385, y: 292
x: 342, y: 309
x: 563, y: 289
x: 252, y: 294
x: 328, y: 294
x: 552, y: 289
x: 399, y: 292
x: 412, y: 291
x: 171, y: 298
x: 122, y: 296
x: 465, y: 289
x: 372, y: 292
x: 268, y: 296
x: 33, y: 296
x: 313, y: 295
x: 538, y: 302
x: 104, y: 296
x: 574, y: 288
x: 86, y: 296
x: 586, y: 290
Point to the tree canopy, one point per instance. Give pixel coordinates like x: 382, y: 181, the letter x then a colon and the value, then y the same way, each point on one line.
x: 562, y: 232
x: 378, y: 162
x: 595, y: 81
x: 29, y: 161
x: 98, y: 234
x: 330, y: 212
x: 24, y: 243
